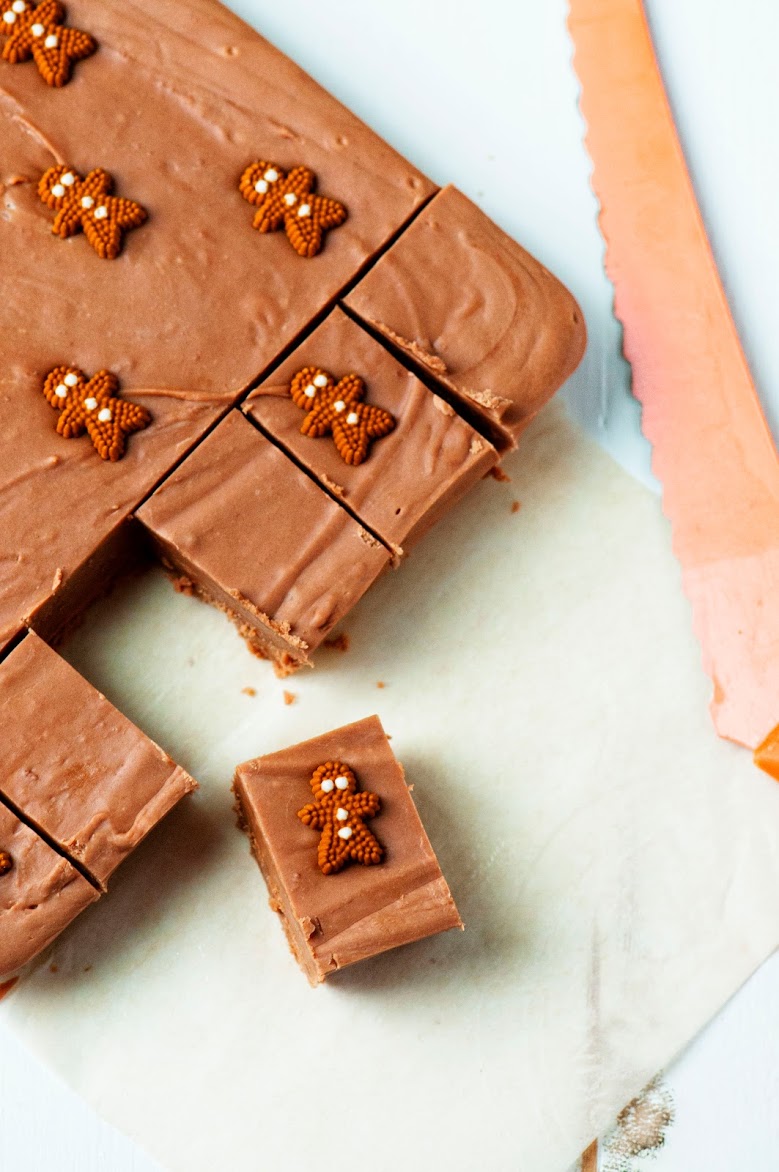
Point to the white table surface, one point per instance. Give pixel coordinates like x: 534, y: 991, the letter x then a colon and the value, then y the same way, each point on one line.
x: 449, y: 93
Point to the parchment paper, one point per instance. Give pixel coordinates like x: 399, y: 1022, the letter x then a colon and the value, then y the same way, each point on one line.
x: 615, y: 863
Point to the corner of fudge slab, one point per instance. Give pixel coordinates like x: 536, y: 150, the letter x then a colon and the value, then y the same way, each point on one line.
x: 472, y: 311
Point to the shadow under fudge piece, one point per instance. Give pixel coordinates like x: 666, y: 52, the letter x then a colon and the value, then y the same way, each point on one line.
x: 335, y: 920
x: 412, y: 476
x: 254, y: 535
x: 474, y: 311
x: 76, y: 768
x: 40, y: 895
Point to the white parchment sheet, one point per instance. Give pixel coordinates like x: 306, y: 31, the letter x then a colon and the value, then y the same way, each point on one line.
x: 616, y: 865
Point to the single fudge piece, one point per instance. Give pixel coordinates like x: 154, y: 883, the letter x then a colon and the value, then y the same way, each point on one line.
x: 251, y: 533
x: 349, y: 867
x: 476, y: 312
x: 178, y: 100
x: 410, y: 477
x: 40, y: 893
x: 76, y: 769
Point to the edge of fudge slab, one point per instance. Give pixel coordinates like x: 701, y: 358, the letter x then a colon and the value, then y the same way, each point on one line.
x: 410, y: 477
x: 247, y: 530
x: 335, y: 920
x: 40, y: 895
x: 475, y: 312
x: 76, y: 769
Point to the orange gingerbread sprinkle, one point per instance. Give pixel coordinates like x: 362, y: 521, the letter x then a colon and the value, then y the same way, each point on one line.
x: 6, y: 863
x: 289, y: 200
x: 92, y: 406
x: 35, y: 31
x: 87, y: 205
x: 337, y: 409
x: 338, y: 811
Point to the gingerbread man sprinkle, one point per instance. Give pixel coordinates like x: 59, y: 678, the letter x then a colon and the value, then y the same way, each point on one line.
x: 35, y: 31
x: 92, y: 406
x: 336, y: 408
x: 87, y: 205
x: 6, y: 863
x: 338, y: 811
x: 288, y: 200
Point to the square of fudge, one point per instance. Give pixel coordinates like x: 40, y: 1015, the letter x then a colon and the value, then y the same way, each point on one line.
x: 251, y: 533
x: 40, y: 893
x: 475, y: 311
x: 73, y: 767
x: 409, y: 477
x: 346, y: 885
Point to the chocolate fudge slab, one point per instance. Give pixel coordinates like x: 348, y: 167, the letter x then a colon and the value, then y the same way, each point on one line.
x: 40, y: 894
x: 412, y: 476
x: 251, y: 533
x: 74, y: 767
x: 178, y: 99
x: 476, y: 312
x: 334, y: 920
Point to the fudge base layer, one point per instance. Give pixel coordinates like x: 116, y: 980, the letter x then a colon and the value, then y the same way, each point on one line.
x: 332, y: 921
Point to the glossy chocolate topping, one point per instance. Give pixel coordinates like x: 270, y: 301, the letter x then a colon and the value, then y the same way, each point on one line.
x: 476, y: 312
x: 335, y: 920
x: 412, y: 476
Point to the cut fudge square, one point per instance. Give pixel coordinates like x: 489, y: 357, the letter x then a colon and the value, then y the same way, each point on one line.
x: 40, y: 893
x: 349, y: 867
x: 411, y: 476
x: 476, y: 312
x: 251, y: 533
x: 73, y: 767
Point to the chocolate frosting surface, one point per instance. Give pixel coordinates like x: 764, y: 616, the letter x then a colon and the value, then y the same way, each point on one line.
x: 335, y: 920
x: 240, y: 519
x: 75, y: 766
x: 180, y: 96
x: 39, y: 896
x: 475, y: 311
x: 412, y: 475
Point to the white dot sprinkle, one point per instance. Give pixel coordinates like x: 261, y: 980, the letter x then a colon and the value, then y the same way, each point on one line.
x: 68, y: 179
x: 345, y: 832
x: 61, y: 391
x: 271, y: 175
x: 342, y: 782
x: 104, y: 414
x: 341, y: 814
x: 101, y: 212
x: 310, y: 391
x: 51, y: 42
x: 352, y: 418
x: 261, y: 186
x: 327, y: 785
x: 87, y: 202
x: 37, y: 30
x: 320, y: 380
x: 9, y: 18
x: 304, y: 209
x: 58, y: 190
x: 70, y: 380
x: 290, y: 198
x: 19, y: 6
x: 90, y: 403
x: 340, y: 405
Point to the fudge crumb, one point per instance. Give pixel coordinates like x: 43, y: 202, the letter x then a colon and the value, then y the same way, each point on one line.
x: 338, y: 642
x: 54, y: 968
x: 498, y: 474
x: 380, y: 684
x: 57, y: 580
x: 516, y: 506
x: 290, y: 698
x: 249, y: 691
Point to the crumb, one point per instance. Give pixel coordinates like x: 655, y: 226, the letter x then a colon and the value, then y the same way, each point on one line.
x: 87, y: 968
x: 59, y: 577
x: 249, y: 691
x: 54, y: 968
x: 516, y: 506
x: 338, y: 642
x: 380, y: 684
x: 498, y: 474
x: 290, y: 697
